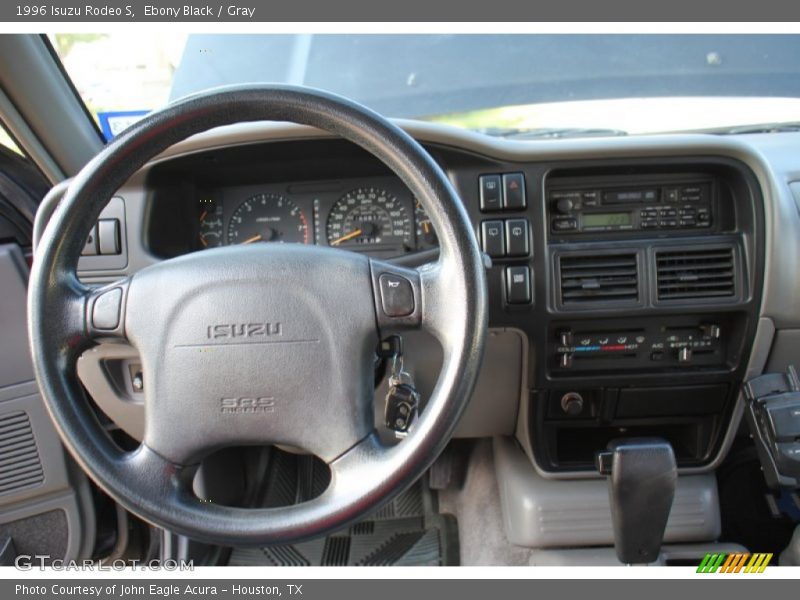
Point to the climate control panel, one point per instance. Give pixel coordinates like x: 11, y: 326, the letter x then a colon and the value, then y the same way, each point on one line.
x: 585, y: 348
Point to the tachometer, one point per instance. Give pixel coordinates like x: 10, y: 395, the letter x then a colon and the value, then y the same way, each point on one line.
x: 268, y: 218
x: 369, y: 217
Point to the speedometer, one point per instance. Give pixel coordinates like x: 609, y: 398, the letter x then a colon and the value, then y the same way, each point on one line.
x: 268, y: 218
x: 369, y: 217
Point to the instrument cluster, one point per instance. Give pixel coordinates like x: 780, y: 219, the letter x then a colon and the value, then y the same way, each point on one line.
x: 378, y: 216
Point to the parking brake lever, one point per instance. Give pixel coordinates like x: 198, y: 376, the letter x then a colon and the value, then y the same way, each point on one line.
x: 641, y: 485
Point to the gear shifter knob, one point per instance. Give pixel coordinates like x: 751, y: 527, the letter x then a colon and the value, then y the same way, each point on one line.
x: 641, y: 486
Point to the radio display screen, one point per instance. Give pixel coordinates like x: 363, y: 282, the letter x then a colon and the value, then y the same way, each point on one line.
x: 607, y: 219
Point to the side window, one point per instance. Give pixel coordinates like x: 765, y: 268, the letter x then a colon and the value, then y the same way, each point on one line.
x: 8, y: 142
x: 22, y: 187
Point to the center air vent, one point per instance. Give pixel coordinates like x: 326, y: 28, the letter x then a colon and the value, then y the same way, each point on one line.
x: 700, y: 273
x: 591, y: 278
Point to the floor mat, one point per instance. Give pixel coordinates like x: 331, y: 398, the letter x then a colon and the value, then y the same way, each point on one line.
x: 406, y: 532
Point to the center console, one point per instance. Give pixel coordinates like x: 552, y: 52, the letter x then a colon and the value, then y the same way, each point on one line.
x: 651, y: 306
x: 637, y: 283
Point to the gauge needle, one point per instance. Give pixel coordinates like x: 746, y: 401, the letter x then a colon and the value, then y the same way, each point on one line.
x: 255, y: 238
x: 203, y: 216
x: 344, y: 238
x: 426, y: 226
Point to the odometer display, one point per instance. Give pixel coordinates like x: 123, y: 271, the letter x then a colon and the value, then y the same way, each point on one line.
x: 268, y: 218
x: 369, y: 217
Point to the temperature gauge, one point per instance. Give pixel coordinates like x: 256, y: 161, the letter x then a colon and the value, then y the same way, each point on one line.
x: 210, y: 223
x: 426, y: 236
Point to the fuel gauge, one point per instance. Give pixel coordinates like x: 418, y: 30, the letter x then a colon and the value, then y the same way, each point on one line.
x: 426, y: 236
x: 210, y: 223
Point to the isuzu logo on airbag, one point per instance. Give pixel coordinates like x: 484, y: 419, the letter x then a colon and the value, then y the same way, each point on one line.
x: 243, y: 330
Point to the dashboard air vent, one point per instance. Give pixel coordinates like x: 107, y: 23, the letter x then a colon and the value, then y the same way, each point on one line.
x: 700, y: 273
x: 589, y: 278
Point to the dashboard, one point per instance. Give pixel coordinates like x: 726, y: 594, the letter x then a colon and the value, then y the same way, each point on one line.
x: 634, y: 283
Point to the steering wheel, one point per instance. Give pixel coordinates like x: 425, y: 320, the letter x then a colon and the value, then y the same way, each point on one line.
x: 259, y: 344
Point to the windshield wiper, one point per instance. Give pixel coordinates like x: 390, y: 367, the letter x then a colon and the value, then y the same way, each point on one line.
x: 784, y: 127
x: 550, y: 132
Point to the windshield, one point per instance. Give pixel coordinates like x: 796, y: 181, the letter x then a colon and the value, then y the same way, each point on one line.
x: 554, y: 85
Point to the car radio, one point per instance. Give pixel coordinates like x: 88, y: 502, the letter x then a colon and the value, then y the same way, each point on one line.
x: 645, y: 207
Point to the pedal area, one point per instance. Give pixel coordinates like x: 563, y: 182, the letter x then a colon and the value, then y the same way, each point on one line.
x: 406, y: 532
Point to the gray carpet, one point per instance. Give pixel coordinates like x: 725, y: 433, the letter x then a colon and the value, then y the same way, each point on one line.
x: 477, y: 508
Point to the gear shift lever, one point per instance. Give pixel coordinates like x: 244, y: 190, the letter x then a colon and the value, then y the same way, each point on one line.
x: 640, y: 487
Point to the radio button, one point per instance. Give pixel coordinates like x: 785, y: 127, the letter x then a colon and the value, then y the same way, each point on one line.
x: 688, y: 222
x: 566, y: 205
x: 591, y: 199
x: 565, y: 224
x: 649, y: 223
x: 669, y: 222
x: 517, y: 237
x: 671, y: 194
